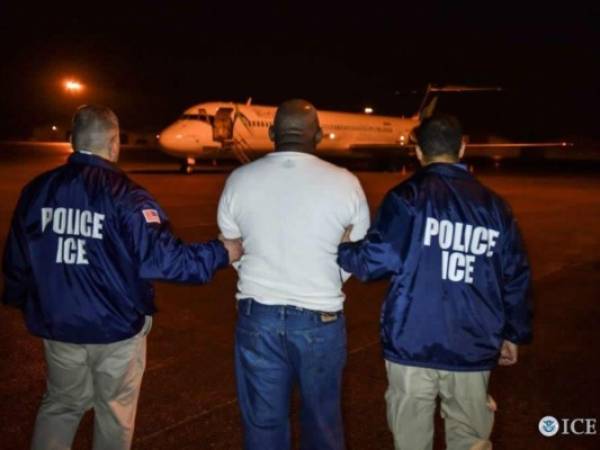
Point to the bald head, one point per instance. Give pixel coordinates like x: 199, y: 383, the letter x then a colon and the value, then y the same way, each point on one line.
x: 95, y: 129
x: 296, y: 127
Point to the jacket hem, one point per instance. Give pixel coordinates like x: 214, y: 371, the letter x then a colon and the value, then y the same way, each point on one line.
x: 439, y: 366
x: 89, y: 340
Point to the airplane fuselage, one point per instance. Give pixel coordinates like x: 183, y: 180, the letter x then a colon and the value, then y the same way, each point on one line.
x: 210, y: 127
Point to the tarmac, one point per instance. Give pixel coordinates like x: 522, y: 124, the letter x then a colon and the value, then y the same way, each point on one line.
x: 188, y: 398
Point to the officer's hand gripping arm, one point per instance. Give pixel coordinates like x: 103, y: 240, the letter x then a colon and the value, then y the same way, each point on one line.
x: 378, y: 254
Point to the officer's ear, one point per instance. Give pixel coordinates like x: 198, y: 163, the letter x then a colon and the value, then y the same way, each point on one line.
x: 114, y: 147
x: 461, y: 152
x: 318, y: 136
x: 272, y: 133
x: 419, y: 154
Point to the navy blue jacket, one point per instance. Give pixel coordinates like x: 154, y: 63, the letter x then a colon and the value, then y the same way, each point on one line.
x: 459, y: 276
x: 83, y: 243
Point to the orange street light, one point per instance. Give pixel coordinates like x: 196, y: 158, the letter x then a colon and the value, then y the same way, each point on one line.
x: 73, y: 86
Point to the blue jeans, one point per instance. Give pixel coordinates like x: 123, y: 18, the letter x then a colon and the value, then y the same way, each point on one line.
x: 276, y: 347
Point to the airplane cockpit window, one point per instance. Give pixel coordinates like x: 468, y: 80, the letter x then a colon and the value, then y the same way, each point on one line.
x: 200, y: 117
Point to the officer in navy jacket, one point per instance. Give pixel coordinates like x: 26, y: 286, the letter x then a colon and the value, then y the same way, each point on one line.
x: 85, y: 240
x: 457, y: 303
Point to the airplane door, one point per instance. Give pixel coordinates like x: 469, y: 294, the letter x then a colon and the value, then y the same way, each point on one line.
x: 223, y: 125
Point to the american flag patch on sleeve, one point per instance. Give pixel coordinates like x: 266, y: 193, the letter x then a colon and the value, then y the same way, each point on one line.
x: 151, y: 215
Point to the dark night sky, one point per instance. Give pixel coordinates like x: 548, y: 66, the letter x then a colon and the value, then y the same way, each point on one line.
x: 152, y: 60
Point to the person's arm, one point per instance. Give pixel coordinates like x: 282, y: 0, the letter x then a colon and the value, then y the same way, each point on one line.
x: 16, y: 265
x: 225, y: 213
x: 379, y: 253
x: 359, y: 221
x: 516, y: 291
x: 162, y: 256
x: 230, y: 231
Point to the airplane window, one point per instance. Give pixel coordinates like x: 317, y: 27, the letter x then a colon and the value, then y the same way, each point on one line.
x: 200, y: 117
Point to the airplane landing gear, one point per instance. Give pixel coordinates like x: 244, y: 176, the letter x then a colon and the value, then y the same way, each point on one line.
x: 187, y: 167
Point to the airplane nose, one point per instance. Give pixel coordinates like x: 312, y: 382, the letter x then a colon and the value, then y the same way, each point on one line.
x: 171, y: 138
x: 184, y: 137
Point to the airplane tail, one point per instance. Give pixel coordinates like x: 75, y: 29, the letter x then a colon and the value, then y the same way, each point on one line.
x: 432, y: 93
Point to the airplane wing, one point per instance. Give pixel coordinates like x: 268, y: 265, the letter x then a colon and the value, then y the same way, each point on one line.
x: 390, y: 148
x: 381, y: 148
x: 517, y: 144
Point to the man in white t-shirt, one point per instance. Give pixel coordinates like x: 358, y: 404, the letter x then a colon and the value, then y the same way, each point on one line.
x: 290, y: 209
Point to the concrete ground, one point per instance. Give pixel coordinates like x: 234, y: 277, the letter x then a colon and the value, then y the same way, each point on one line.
x: 188, y: 398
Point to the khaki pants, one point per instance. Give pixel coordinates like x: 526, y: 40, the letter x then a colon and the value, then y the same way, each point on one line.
x: 106, y: 377
x: 411, y: 400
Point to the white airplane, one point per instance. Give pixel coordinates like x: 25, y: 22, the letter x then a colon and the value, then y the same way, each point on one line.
x: 208, y: 130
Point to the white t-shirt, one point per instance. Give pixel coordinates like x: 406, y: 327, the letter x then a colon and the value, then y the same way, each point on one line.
x: 291, y: 210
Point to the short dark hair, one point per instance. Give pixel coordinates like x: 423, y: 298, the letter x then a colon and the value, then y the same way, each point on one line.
x: 439, y: 135
x: 93, y: 127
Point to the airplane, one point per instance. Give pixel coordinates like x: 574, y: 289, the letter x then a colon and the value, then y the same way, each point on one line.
x: 209, y: 129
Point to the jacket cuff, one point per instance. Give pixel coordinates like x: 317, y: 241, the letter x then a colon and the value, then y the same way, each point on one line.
x: 517, y: 339
x: 221, y: 254
x: 342, y: 257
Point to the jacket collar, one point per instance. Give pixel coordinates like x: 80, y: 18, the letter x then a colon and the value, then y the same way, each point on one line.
x: 92, y: 160
x: 447, y: 170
